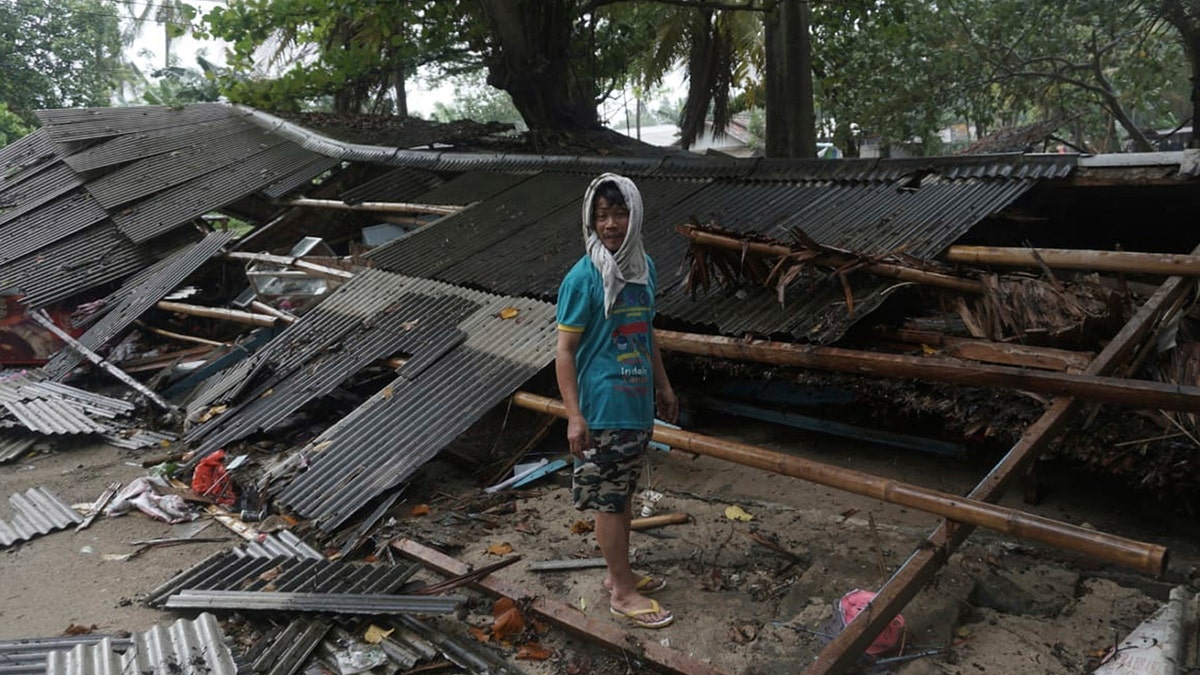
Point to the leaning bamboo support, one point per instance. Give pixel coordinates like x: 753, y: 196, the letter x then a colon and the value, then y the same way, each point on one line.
x: 1146, y: 558
x: 286, y: 317
x: 384, y: 207
x: 1142, y: 394
x: 313, y: 269
x: 1127, y: 262
x: 889, y: 270
x: 221, y: 313
x: 181, y: 336
x: 41, y: 317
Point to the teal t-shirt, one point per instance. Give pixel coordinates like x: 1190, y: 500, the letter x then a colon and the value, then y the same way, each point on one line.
x: 613, y: 362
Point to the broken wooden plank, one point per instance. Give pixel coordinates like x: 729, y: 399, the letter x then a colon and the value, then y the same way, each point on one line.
x: 1142, y: 394
x: 313, y: 269
x: 987, y: 351
x: 385, y: 207
x: 1124, y: 262
x: 830, y: 259
x: 847, y: 647
x: 649, y: 522
x: 41, y: 317
x: 220, y: 313
x: 565, y: 616
x: 1147, y: 558
x: 564, y: 565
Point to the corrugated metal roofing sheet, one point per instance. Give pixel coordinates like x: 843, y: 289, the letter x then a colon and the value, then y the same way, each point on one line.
x: 25, y: 157
x: 53, y: 222
x: 397, y: 185
x: 137, y: 439
x: 37, y: 511
x: 227, y: 571
x: 392, y: 323
x: 94, y: 257
x: 28, y: 656
x: 183, y: 648
x: 171, y: 208
x: 520, y: 241
x: 380, y: 444
x: 48, y: 408
x: 43, y: 187
x: 66, y: 125
x: 148, y: 143
x: 139, y: 299
x: 52, y: 416
x: 301, y: 176
x: 289, y: 647
x: 278, y: 544
x: 14, y: 443
x: 162, y: 172
x: 337, y: 603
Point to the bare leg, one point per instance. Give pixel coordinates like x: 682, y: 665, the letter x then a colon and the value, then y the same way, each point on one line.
x: 612, y: 534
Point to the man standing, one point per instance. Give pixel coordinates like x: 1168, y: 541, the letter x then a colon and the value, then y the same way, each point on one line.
x: 610, y: 375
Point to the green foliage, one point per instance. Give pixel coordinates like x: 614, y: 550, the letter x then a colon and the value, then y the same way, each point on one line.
x: 176, y: 86
x: 293, y: 54
x: 12, y: 126
x: 475, y: 100
x: 58, y: 53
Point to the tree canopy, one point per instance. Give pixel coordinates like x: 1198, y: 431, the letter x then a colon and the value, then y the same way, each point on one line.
x: 58, y: 54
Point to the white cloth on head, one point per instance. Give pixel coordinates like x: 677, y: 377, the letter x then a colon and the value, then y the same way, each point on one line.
x: 628, y: 264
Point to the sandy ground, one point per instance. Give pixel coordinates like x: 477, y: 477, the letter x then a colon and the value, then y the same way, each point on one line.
x: 1001, y: 605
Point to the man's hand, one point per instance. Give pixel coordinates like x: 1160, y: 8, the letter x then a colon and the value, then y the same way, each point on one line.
x: 668, y: 404
x: 578, y: 438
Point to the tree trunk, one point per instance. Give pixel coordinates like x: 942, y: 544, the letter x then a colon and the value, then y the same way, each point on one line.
x: 790, y: 120
x: 399, y: 81
x: 531, y: 60
x: 1189, y: 33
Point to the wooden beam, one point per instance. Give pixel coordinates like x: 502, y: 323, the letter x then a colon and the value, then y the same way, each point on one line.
x: 605, y: 632
x: 844, y: 651
x: 220, y: 313
x: 987, y: 351
x: 1142, y: 394
x: 1148, y: 558
x: 313, y: 269
x: 41, y: 317
x: 1126, y: 262
x: 835, y: 260
x: 385, y: 207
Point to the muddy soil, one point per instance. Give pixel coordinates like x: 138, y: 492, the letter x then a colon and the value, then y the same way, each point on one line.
x: 1000, y: 605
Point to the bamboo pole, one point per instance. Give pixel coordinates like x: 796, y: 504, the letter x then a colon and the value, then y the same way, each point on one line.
x: 846, y: 648
x: 1005, y: 353
x: 638, y: 524
x: 221, y: 313
x: 1146, y: 558
x: 1142, y: 394
x: 1128, y: 262
x: 313, y: 269
x: 900, y: 272
x: 41, y: 317
x: 386, y: 207
x: 283, y: 316
x: 181, y: 336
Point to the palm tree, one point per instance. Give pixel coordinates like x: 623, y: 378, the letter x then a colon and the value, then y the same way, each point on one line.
x: 173, y: 15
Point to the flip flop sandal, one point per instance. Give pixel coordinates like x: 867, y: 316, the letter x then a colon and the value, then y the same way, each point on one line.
x: 648, y: 585
x: 634, y: 616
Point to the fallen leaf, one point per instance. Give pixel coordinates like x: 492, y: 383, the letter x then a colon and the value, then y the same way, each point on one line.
x: 927, y: 350
x: 509, y: 312
x: 509, y: 621
x: 272, y: 574
x: 76, y: 629
x: 375, y: 634
x: 534, y: 651
x: 582, y: 603
x: 421, y: 510
x: 387, y: 392
x: 479, y: 633
x: 736, y: 513
x: 582, y: 527
x: 501, y: 549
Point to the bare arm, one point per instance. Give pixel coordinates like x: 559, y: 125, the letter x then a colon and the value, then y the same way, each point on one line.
x: 664, y: 395
x: 568, y: 388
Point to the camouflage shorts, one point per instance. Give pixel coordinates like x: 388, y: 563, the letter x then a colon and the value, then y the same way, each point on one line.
x: 608, y: 474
